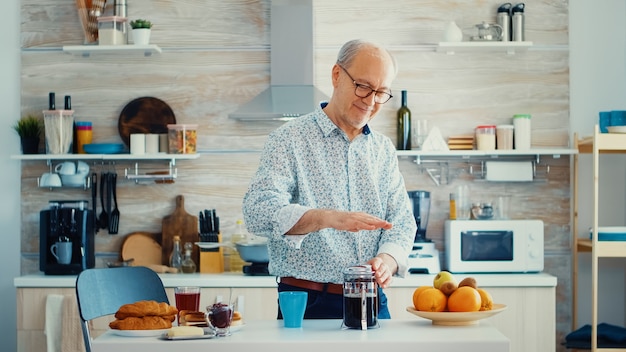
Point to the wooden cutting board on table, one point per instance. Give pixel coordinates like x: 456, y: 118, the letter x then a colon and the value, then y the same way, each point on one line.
x: 180, y: 223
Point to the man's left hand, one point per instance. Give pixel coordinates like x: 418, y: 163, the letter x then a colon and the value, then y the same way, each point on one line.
x: 384, y: 267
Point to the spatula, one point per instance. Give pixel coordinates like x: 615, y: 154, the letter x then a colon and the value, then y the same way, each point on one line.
x: 104, y: 217
x: 115, y: 213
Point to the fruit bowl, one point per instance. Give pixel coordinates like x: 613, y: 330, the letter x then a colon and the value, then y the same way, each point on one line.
x: 457, y: 318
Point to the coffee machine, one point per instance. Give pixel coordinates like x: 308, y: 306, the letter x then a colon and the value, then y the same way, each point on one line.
x: 66, y: 238
x: 424, y: 257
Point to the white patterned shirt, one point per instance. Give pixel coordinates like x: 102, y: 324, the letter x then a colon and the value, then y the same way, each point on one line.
x: 309, y: 163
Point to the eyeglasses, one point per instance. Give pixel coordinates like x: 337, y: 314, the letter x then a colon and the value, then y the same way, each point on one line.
x: 364, y: 91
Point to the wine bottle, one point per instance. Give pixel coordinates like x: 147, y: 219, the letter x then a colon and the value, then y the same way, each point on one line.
x: 404, y: 125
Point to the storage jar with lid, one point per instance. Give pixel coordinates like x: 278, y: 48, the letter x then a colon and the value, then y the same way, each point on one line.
x: 486, y: 137
x: 504, y: 137
x: 182, y: 138
x: 521, y: 122
x: 112, y: 30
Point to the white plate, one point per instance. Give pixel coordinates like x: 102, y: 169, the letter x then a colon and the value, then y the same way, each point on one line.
x: 139, y: 333
x: 616, y: 129
x: 457, y: 318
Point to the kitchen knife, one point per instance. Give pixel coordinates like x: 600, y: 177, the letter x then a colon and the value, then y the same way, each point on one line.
x: 94, y: 206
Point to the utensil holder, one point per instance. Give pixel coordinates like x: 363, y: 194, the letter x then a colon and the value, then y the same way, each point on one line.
x: 59, y: 131
x: 212, y: 260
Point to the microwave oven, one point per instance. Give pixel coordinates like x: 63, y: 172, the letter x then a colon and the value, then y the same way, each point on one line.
x: 493, y: 246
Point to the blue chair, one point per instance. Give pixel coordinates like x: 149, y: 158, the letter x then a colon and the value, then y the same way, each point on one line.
x: 103, y: 291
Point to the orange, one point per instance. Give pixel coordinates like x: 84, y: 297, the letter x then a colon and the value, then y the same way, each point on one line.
x: 486, y: 301
x: 417, y: 292
x: 464, y: 299
x: 431, y: 300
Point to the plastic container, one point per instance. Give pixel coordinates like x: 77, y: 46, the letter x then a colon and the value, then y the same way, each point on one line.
x: 84, y: 135
x: 112, y: 30
x: 182, y: 139
x: 486, y: 137
x: 504, y: 137
x: 521, y: 122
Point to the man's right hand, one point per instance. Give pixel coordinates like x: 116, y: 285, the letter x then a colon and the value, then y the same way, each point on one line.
x: 317, y: 219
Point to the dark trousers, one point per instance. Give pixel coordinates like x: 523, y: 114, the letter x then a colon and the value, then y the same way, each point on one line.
x: 323, y: 305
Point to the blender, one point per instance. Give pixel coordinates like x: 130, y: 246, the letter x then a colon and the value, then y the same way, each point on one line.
x: 424, y: 257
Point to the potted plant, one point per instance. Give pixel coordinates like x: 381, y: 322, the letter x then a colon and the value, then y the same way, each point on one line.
x: 141, y: 31
x: 29, y: 128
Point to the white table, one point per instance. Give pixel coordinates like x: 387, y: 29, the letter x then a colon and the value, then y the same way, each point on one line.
x: 325, y: 335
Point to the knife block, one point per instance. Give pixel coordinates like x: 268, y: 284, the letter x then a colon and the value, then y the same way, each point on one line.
x: 212, y: 260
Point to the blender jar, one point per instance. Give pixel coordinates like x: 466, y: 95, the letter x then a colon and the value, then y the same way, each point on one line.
x: 360, y: 298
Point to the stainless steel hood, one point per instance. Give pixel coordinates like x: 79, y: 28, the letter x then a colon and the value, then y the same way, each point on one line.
x: 291, y: 92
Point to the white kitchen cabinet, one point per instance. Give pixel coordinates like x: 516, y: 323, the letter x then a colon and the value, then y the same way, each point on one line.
x: 599, y: 143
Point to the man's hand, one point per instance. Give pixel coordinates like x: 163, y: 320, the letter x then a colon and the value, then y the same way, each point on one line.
x: 317, y: 219
x: 384, y: 267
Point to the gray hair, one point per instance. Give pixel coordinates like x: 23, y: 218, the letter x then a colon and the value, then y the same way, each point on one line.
x: 349, y: 50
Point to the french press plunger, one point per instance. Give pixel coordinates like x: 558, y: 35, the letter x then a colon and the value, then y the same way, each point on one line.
x: 360, y: 298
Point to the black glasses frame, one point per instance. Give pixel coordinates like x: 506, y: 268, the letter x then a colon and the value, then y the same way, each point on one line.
x: 380, y: 97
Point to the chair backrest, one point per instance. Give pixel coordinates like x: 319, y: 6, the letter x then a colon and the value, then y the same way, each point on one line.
x: 103, y: 291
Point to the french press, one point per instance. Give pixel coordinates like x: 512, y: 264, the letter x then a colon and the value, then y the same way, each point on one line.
x: 360, y: 298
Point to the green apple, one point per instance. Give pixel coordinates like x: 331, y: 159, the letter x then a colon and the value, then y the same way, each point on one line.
x: 442, y: 277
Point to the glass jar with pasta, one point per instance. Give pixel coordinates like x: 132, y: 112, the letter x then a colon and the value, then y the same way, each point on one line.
x: 182, y: 138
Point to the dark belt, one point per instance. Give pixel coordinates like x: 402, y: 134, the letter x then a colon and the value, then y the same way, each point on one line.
x: 336, y: 289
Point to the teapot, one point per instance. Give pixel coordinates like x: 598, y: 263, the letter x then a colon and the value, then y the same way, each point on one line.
x: 488, y: 32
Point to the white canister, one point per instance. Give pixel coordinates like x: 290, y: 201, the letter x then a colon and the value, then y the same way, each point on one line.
x: 521, y: 123
x: 504, y: 137
x: 152, y: 143
x: 138, y: 143
x: 486, y: 137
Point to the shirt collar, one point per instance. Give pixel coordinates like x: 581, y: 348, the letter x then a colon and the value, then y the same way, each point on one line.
x: 327, y: 125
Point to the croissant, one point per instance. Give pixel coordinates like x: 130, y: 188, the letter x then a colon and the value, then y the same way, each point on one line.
x: 143, y: 323
x: 145, y: 308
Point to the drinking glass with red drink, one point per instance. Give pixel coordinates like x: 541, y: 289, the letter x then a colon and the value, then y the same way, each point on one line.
x: 187, y: 298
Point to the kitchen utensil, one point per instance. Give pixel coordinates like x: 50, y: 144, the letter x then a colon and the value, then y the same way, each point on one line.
x: 360, y: 298
x: 104, y: 216
x: 50, y: 179
x: 517, y: 23
x: 179, y: 223
x: 97, y: 8
x: 292, y: 306
x: 115, y: 213
x: 109, y: 177
x: 94, y: 190
x: 253, y: 251
x: 143, y: 248
x: 144, y: 115
x: 120, y: 264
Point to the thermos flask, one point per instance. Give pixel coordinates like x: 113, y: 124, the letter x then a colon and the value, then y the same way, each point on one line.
x: 517, y: 22
x: 503, y: 18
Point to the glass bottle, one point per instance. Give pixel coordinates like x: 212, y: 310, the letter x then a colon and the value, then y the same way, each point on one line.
x: 188, y: 265
x: 176, y: 258
x: 236, y: 263
x: 404, y: 125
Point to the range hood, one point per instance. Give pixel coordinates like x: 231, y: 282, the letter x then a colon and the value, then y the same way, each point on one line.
x: 291, y: 92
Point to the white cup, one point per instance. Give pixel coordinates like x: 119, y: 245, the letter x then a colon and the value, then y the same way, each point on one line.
x: 82, y: 168
x: 62, y: 251
x: 137, y: 143
x: 152, y: 143
x: 50, y: 179
x: 66, y: 168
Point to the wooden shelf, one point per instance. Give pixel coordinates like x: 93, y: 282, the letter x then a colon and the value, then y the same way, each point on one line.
x: 159, y: 156
x: 508, y: 47
x: 87, y: 50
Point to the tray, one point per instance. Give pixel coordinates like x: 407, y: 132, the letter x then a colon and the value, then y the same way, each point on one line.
x: 144, y: 115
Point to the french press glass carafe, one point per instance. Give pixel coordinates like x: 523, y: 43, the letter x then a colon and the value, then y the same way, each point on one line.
x: 360, y: 298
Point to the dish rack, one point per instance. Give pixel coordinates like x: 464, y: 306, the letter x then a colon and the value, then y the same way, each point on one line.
x: 157, y: 175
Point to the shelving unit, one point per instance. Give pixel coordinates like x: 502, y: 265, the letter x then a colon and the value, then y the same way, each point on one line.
x: 130, y: 173
x: 599, y: 143
x: 87, y: 50
x: 495, y: 46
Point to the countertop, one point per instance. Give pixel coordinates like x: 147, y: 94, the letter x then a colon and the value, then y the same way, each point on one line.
x: 325, y: 335
x: 240, y: 280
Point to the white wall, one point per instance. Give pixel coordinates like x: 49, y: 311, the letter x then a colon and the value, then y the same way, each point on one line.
x: 10, y: 175
x: 598, y: 83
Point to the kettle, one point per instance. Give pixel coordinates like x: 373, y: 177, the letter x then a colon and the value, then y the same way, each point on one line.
x: 488, y: 32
